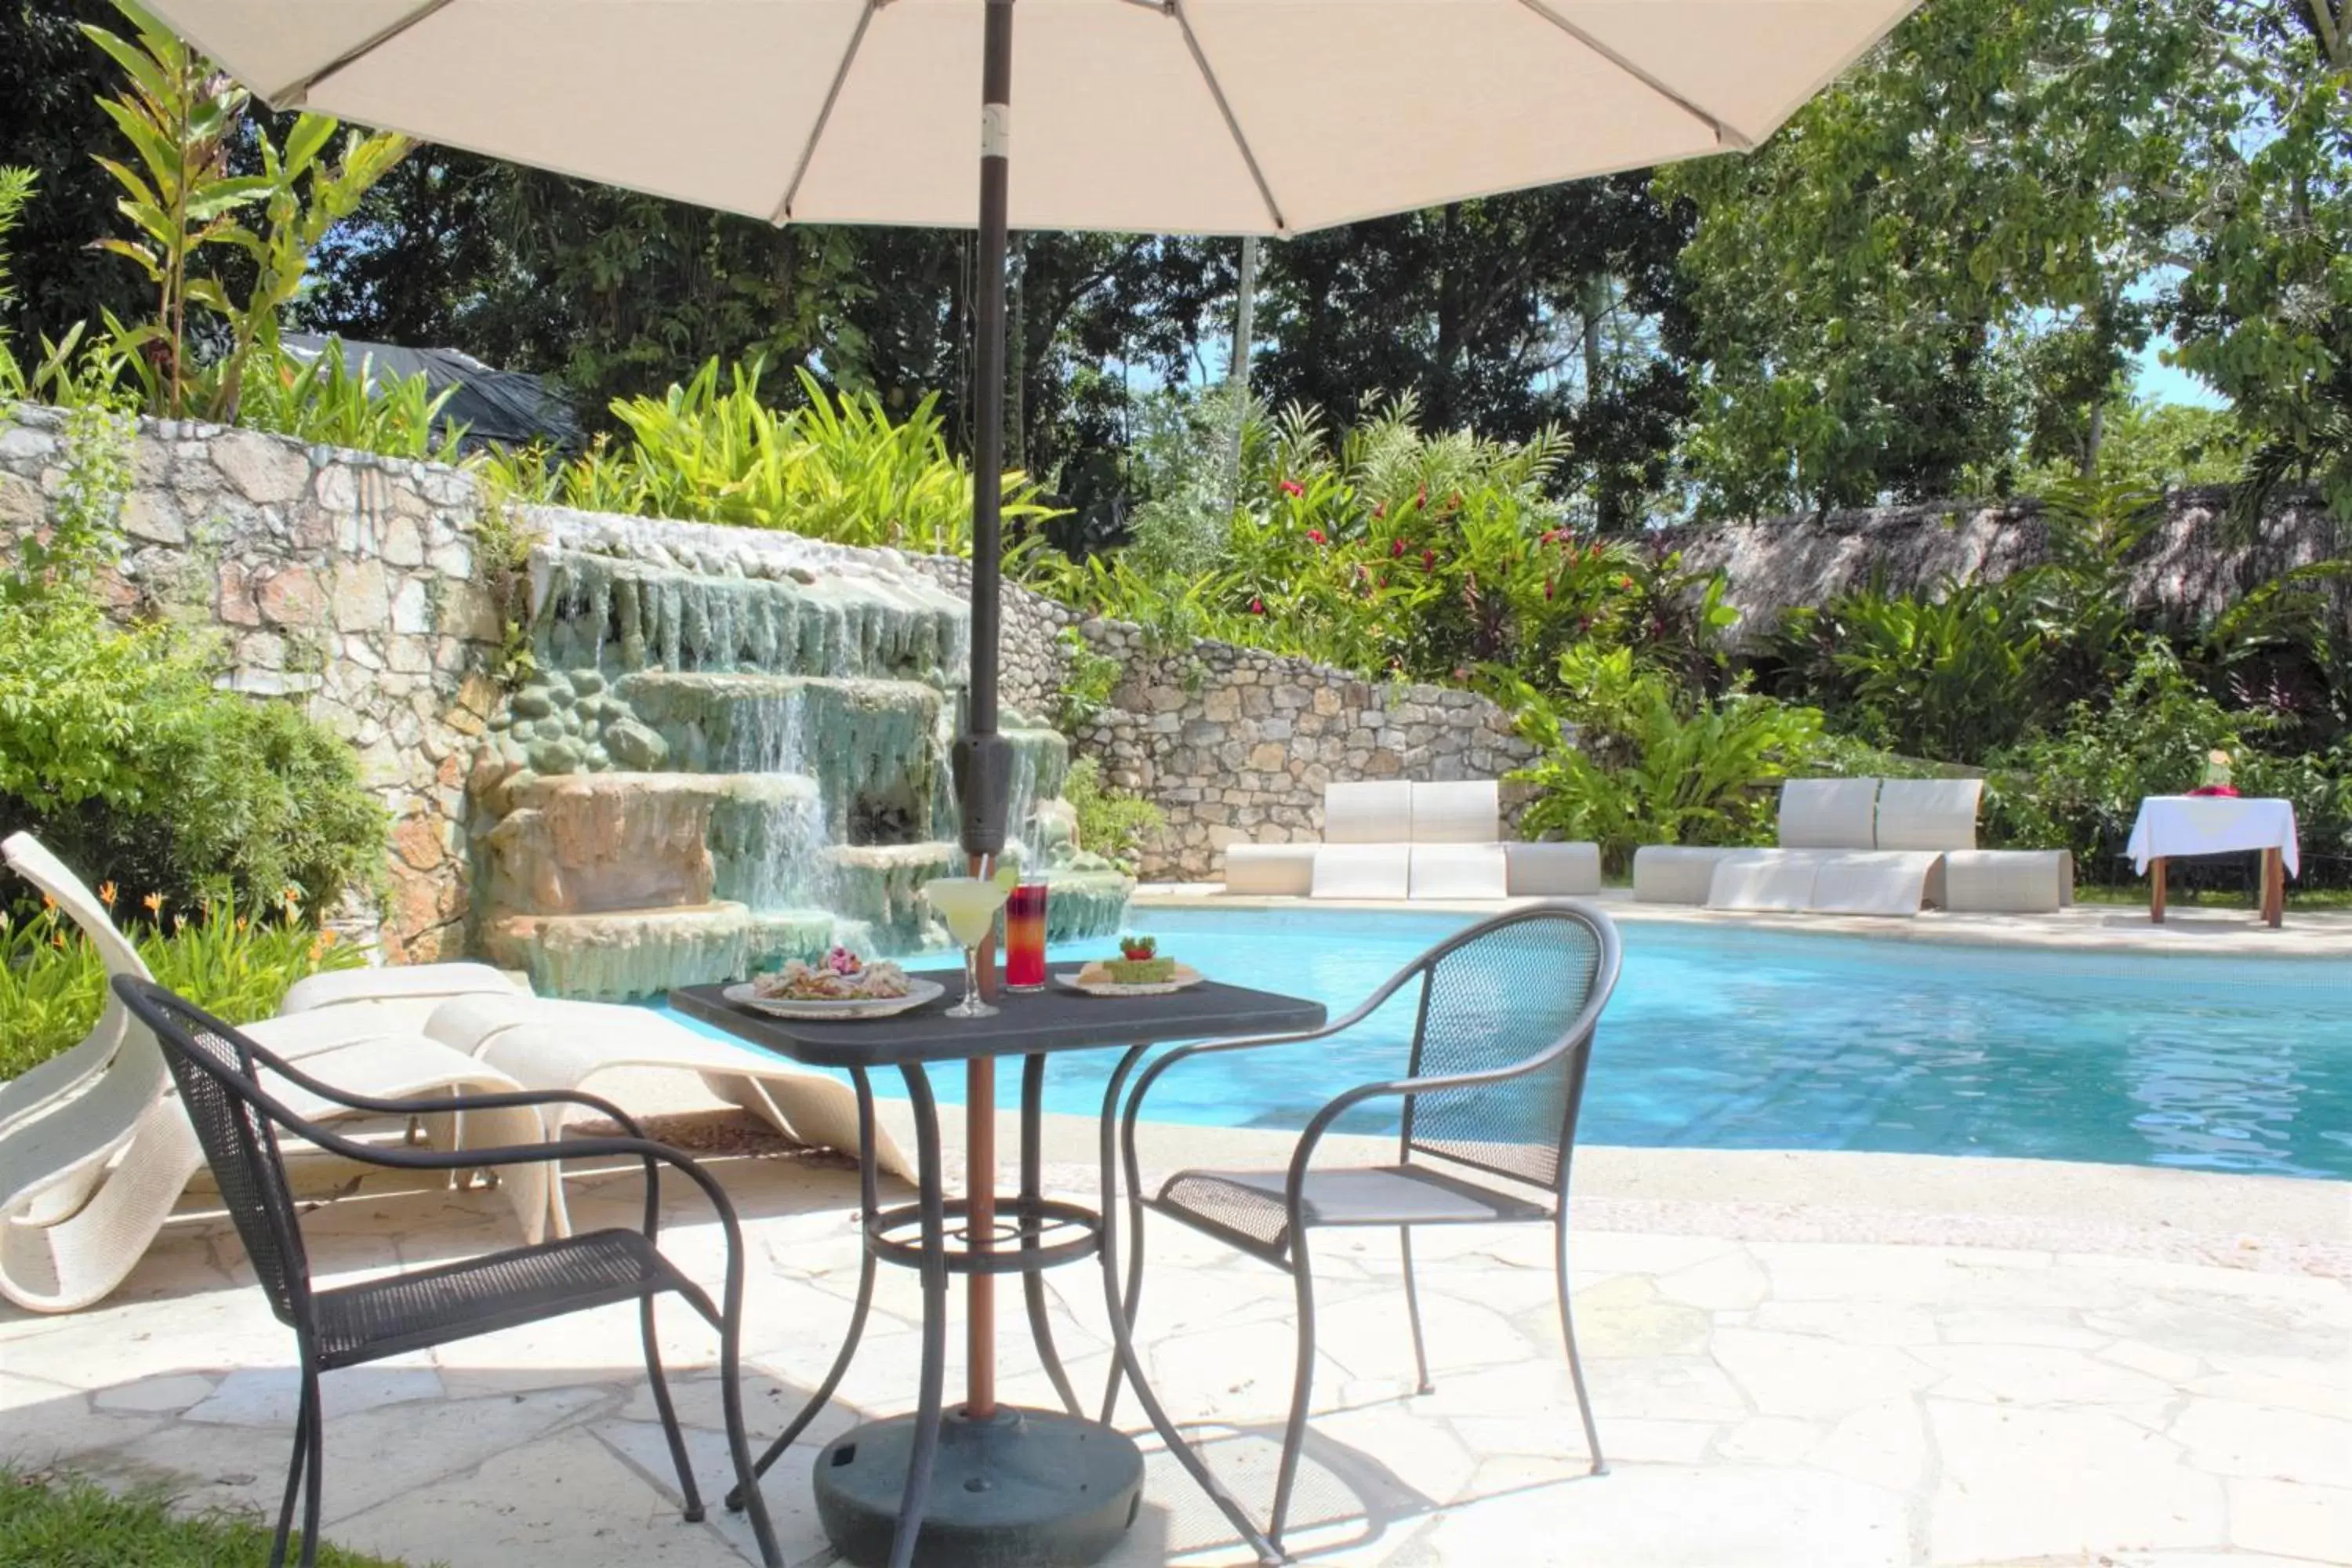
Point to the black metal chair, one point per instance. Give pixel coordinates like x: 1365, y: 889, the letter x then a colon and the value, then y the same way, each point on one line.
x: 1502, y: 1038
x: 237, y: 1121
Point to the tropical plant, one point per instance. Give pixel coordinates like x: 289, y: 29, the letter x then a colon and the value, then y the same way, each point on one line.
x: 1624, y: 760
x: 1088, y: 680
x: 237, y: 964
x: 833, y: 469
x: 1948, y: 677
x: 186, y: 122
x: 1112, y: 823
x: 326, y: 399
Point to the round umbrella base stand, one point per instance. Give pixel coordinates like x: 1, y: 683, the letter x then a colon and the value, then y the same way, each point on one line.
x: 1020, y: 1489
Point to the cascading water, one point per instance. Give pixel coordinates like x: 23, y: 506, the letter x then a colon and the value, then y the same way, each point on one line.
x: 734, y: 751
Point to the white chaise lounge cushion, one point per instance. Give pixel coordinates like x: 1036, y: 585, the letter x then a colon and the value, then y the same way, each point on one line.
x: 1375, y: 813
x: 1874, y: 881
x: 2009, y: 881
x: 1463, y: 811
x: 1764, y: 879
x: 1272, y: 870
x: 1674, y: 873
x: 1553, y: 870
x: 1829, y: 813
x: 434, y: 983
x: 1362, y: 871
x: 1928, y: 814
x: 1460, y: 871
x: 548, y: 1044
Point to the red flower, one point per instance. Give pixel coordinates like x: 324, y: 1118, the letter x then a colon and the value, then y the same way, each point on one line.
x: 1554, y: 535
x: 1626, y: 582
x: 1257, y: 607
x: 1547, y: 587
x: 1429, y: 560
x: 1396, y: 548
x: 1382, y: 509
x: 1292, y: 488
x: 1314, y: 536
x: 1420, y: 496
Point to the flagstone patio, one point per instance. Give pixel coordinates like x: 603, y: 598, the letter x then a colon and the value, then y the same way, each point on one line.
x: 1774, y: 1385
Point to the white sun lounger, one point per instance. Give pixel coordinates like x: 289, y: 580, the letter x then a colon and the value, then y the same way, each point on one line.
x: 543, y: 1043
x: 95, y: 1150
x: 1367, y: 848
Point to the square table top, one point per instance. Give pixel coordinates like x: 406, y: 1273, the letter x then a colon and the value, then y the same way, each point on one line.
x: 1054, y: 1019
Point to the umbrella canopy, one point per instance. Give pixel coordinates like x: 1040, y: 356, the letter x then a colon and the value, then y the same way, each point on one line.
x: 1193, y: 116
x: 1163, y: 116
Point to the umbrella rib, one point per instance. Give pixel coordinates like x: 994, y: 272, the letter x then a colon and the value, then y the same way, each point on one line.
x: 1233, y: 124
x: 294, y: 93
x: 1724, y: 130
x: 784, y: 211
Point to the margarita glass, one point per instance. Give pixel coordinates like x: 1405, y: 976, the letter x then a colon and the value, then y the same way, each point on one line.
x: 969, y: 905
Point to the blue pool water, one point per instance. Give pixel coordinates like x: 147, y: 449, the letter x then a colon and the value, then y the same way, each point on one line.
x: 1739, y: 1039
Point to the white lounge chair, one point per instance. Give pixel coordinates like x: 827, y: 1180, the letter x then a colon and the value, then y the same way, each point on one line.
x: 1941, y: 814
x: 1367, y: 849
x: 95, y: 1153
x: 544, y: 1043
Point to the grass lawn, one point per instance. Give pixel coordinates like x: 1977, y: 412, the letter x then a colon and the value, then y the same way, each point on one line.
x: 58, y: 1521
x: 2217, y: 899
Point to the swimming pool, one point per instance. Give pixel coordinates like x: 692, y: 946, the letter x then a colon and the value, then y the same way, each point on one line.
x: 1724, y: 1039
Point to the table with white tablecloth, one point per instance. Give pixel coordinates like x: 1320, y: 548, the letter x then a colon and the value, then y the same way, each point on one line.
x: 2171, y: 825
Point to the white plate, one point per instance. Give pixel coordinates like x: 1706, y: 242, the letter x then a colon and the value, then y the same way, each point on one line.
x: 1186, y: 975
x: 848, y: 1011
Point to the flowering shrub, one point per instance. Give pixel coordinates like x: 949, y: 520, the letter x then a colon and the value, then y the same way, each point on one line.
x: 235, y: 965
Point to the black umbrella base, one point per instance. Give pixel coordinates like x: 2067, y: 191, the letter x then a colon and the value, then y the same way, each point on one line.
x: 1024, y: 1489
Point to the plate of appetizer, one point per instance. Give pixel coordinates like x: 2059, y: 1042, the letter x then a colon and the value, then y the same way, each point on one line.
x: 1138, y: 970
x: 841, y: 988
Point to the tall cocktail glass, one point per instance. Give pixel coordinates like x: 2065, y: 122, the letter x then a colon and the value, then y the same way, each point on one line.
x: 1025, y: 938
x: 969, y: 905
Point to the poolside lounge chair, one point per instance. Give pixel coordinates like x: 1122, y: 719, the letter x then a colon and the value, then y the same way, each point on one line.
x: 1432, y: 840
x: 94, y: 1156
x: 554, y: 1045
x: 1941, y: 814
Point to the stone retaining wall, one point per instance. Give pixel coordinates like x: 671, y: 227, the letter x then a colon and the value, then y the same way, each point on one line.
x: 341, y: 580
x: 1233, y: 744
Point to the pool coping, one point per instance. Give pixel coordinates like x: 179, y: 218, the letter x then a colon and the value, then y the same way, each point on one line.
x: 2296, y: 1224
x: 2313, y: 935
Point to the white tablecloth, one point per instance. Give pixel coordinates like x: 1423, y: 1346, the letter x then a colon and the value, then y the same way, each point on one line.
x: 2213, y: 825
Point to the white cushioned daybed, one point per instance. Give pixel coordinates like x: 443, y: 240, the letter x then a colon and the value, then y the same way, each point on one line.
x: 1391, y: 840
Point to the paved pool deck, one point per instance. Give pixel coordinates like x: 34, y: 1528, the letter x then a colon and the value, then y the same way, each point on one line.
x: 2207, y: 929
x: 1805, y: 1359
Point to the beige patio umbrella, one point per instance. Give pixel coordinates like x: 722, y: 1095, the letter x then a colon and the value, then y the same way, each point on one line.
x: 1224, y: 116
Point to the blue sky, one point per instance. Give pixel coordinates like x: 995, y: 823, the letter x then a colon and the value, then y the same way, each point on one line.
x: 2160, y: 383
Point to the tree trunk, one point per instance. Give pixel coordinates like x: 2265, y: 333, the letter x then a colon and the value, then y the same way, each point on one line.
x: 1596, y: 307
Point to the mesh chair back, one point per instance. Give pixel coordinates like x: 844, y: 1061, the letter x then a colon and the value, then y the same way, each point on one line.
x: 1498, y: 996
x: 214, y: 1066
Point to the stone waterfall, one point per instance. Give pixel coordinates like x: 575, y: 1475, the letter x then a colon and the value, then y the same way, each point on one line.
x: 730, y: 753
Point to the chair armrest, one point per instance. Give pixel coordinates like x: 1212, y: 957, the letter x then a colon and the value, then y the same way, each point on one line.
x: 1303, y: 1155
x: 428, y: 1105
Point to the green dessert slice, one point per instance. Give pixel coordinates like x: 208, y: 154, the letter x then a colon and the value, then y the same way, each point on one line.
x: 1140, y: 970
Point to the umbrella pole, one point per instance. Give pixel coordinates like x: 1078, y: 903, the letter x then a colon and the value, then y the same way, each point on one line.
x: 982, y: 761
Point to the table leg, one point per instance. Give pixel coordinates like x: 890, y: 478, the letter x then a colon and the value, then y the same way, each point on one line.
x: 1033, y: 1183
x: 979, y: 1226
x: 2274, y: 888
x: 2156, y: 889
x: 1126, y: 1359
x: 870, y: 1202
x: 935, y: 1316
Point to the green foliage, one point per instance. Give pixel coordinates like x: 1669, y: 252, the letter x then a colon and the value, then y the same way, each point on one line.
x: 238, y: 965
x: 328, y: 399
x: 2153, y: 446
x: 183, y: 119
x: 1949, y: 677
x: 1088, y: 680
x: 2080, y: 785
x: 118, y: 750
x: 1112, y: 823
x: 62, y: 1521
x: 1625, y: 759
x: 833, y: 469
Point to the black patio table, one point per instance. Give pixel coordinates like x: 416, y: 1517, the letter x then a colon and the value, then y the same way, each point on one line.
x: 990, y: 1483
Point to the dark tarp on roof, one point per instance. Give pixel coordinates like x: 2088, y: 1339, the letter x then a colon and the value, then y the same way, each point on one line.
x: 502, y: 407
